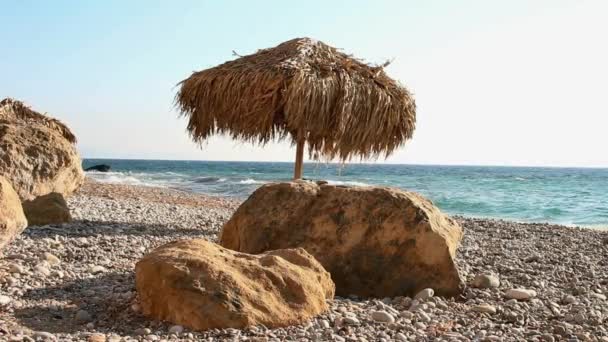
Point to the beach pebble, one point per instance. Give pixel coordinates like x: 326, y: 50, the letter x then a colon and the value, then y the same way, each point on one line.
x: 83, y: 316
x: 16, y: 268
x: 520, y: 294
x: 97, y: 338
x: 350, y: 320
x: 424, y: 294
x: 486, y: 281
x: 176, y: 329
x: 44, y: 336
x: 51, y: 259
x: 95, y: 269
x: 42, y: 270
x: 142, y: 331
x: 382, y: 316
x: 484, y: 308
x: 4, y: 300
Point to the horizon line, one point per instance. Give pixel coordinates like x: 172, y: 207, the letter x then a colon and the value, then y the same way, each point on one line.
x: 360, y: 163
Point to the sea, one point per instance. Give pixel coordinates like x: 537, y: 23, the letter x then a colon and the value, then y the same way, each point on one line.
x: 567, y: 196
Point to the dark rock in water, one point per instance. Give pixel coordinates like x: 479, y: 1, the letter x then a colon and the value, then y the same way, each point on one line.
x: 100, y: 168
x: 47, y: 209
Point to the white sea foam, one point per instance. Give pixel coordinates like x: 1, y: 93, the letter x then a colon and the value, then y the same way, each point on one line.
x: 250, y: 181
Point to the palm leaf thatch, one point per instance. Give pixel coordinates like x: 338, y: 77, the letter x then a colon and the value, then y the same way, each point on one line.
x: 13, y: 110
x: 301, y: 89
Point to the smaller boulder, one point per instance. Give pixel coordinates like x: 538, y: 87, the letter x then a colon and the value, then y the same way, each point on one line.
x: 48, y: 209
x: 12, y: 219
x: 201, y: 285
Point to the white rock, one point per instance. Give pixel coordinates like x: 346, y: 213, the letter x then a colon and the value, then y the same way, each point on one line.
x: 42, y: 270
x: 485, y: 308
x: 382, y: 316
x: 96, y: 269
x: 44, y: 336
x: 486, y: 281
x: 400, y: 337
x: 16, y: 268
x: 350, y: 321
x: 520, y: 294
x: 4, y: 300
x: 51, y: 259
x: 176, y: 329
x: 598, y: 296
x: 424, y: 294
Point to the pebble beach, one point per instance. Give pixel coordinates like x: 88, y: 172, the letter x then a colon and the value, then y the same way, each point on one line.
x: 75, y: 281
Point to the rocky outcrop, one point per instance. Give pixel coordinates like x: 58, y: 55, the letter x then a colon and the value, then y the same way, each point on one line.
x: 37, y: 153
x: 47, y: 209
x: 12, y: 219
x: 377, y: 242
x: 201, y: 285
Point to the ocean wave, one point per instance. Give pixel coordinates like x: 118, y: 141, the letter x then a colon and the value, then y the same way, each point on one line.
x: 209, y: 180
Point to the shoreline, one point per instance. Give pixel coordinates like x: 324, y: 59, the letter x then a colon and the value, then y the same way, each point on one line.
x: 167, y: 191
x: 87, y: 288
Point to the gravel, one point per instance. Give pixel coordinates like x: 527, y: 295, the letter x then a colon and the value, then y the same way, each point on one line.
x: 75, y: 282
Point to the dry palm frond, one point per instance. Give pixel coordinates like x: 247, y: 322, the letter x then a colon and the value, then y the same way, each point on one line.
x: 301, y: 89
x: 14, y: 110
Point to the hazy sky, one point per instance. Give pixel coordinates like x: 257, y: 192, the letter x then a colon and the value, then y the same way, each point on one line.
x: 516, y: 82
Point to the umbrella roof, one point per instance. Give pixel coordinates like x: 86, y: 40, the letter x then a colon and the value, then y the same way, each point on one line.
x: 301, y: 89
x: 12, y: 110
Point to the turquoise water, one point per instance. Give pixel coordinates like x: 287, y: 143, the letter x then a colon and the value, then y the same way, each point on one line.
x: 558, y: 195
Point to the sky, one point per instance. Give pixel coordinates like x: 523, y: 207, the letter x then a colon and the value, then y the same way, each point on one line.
x: 514, y: 82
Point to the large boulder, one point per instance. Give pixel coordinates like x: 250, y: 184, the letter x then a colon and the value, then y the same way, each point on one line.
x: 37, y: 153
x: 201, y: 285
x: 375, y: 242
x: 12, y: 219
x: 47, y: 209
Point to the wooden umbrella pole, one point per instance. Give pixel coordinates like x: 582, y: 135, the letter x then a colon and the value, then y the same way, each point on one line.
x: 297, y: 172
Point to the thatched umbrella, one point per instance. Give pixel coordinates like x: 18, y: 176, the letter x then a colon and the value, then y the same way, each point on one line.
x: 306, y: 91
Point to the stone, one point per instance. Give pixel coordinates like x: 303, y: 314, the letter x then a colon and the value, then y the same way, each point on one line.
x: 484, y: 308
x: 97, y: 338
x: 95, y: 269
x: 16, y: 269
x: 83, y: 316
x: 424, y: 294
x: 486, y: 281
x: 375, y: 242
x: 201, y: 285
x: 47, y: 209
x: 12, y: 218
x: 4, y: 300
x: 350, y: 320
x: 42, y: 270
x: 176, y: 329
x: 520, y: 294
x: 44, y: 336
x: 142, y: 331
x: 51, y: 259
x: 382, y: 316
x: 37, y: 153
